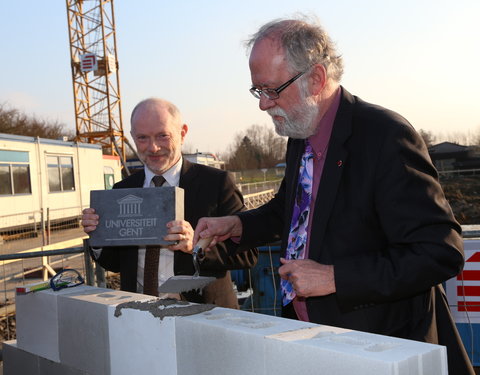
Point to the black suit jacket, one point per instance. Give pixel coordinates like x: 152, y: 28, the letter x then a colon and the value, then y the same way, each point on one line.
x: 208, y: 192
x: 382, y: 220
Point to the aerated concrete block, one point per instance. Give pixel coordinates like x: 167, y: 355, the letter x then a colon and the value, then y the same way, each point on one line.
x: 101, y: 331
x: 84, y: 327
x: 239, y: 342
x: 18, y: 361
x: 48, y: 367
x: 141, y: 343
x: 37, y: 321
x: 352, y: 352
x: 225, y: 341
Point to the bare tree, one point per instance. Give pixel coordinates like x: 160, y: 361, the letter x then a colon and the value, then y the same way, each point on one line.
x: 428, y: 137
x: 12, y: 121
x: 256, y: 147
x: 467, y: 138
x: 188, y: 148
x: 476, y: 137
x: 458, y: 138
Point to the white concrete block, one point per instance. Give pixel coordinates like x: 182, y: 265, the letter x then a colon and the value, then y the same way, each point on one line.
x: 48, y: 367
x: 20, y: 362
x: 37, y: 321
x: 142, y: 344
x: 352, y: 352
x: 101, y: 331
x: 225, y: 341
x: 17, y: 361
x: 83, y: 323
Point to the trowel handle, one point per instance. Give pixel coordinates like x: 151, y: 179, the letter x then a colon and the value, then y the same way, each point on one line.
x: 203, y: 243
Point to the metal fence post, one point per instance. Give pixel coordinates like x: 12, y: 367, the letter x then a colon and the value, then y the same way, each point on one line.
x: 48, y: 226
x: 100, y: 276
x: 42, y: 219
x: 89, y: 275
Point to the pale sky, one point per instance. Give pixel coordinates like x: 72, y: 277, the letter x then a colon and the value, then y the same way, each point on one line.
x: 419, y: 58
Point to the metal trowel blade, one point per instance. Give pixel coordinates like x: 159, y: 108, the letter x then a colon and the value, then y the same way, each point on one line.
x: 183, y: 283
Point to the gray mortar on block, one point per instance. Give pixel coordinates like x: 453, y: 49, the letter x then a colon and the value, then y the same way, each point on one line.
x: 159, y: 308
x: 184, y: 283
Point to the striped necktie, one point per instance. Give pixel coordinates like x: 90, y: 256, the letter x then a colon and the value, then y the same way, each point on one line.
x: 152, y: 256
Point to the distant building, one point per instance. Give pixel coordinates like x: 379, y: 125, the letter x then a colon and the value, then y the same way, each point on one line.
x: 205, y: 159
x: 448, y: 156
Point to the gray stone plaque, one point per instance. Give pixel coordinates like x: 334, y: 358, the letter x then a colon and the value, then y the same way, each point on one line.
x: 135, y: 216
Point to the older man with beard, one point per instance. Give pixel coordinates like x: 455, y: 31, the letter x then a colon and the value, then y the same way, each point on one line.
x: 367, y: 234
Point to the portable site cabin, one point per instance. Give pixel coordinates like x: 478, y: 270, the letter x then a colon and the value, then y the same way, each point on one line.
x: 38, y: 174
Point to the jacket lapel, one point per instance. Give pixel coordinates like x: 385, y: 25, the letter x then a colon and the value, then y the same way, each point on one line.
x: 335, y: 161
x: 135, y: 180
x: 189, y: 183
x: 187, y: 173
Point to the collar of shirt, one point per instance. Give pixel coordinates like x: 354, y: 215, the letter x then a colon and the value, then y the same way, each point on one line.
x: 319, y: 141
x: 172, y: 176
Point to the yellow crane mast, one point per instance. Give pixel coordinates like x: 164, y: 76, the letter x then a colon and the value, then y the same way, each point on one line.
x: 96, y: 84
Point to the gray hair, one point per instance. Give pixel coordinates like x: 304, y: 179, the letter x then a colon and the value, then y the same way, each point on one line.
x: 171, y: 108
x: 305, y: 44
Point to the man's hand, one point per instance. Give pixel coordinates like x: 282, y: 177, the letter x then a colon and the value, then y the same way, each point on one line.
x: 182, y: 232
x: 219, y: 228
x: 89, y: 220
x: 308, y: 278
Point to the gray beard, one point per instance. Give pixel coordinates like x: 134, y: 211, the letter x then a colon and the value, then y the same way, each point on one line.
x: 301, y: 127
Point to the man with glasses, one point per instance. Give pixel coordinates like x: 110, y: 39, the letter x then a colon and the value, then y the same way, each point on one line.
x: 367, y: 234
x: 158, y: 133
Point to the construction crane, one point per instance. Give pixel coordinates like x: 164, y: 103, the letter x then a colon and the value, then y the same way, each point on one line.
x: 96, y: 84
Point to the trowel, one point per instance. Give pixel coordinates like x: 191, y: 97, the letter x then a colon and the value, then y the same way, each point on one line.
x: 184, y: 283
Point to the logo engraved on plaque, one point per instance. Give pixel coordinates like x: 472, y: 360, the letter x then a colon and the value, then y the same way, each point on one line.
x: 130, y: 206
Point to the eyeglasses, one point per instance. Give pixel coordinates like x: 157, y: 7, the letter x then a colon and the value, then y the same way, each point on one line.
x: 273, y: 94
x: 67, y: 278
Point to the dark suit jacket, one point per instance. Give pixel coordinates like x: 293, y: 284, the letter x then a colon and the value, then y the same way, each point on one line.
x: 382, y: 220
x: 208, y: 192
